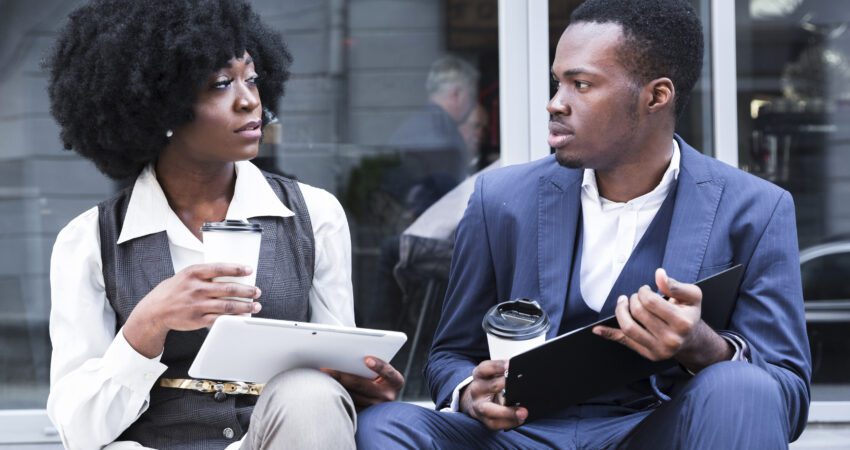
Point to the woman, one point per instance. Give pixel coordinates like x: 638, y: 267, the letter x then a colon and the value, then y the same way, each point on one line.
x: 172, y: 93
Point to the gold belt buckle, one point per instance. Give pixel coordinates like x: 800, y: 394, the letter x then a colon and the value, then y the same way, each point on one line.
x: 219, y: 389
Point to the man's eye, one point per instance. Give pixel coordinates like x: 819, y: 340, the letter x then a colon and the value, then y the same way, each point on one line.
x: 581, y: 85
x: 555, y: 83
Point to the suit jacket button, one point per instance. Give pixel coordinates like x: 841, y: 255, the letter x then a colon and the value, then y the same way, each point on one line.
x: 228, y: 433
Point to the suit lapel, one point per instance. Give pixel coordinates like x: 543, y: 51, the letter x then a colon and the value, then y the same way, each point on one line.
x: 698, y: 197
x: 559, y: 208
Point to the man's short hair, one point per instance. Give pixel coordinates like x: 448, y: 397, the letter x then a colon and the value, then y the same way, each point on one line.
x: 448, y: 71
x: 663, y: 38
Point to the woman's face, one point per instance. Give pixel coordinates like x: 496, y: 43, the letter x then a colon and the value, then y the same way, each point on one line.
x: 228, y: 117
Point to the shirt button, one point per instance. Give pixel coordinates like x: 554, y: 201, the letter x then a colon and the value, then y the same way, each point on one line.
x: 228, y: 433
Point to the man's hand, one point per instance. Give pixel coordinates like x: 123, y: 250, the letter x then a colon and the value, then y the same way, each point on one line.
x: 478, y: 398
x: 659, y: 329
x: 366, y: 392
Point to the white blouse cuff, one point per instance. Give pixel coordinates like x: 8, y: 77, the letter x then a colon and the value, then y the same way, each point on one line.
x: 129, y: 367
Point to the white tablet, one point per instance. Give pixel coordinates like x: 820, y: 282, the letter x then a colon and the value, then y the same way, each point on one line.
x: 254, y: 350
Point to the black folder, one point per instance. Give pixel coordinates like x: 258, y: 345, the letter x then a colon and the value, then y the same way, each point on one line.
x: 580, y: 365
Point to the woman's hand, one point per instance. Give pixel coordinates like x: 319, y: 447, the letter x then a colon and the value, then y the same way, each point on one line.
x: 189, y: 300
x: 366, y: 392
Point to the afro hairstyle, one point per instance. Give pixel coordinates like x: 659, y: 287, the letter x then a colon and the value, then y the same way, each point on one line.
x: 123, y: 72
x: 663, y: 38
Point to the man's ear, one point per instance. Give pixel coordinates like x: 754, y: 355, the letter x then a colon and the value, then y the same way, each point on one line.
x: 662, y: 95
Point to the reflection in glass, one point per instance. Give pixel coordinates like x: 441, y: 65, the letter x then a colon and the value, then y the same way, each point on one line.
x: 360, y: 71
x: 406, y: 110
x: 794, y: 130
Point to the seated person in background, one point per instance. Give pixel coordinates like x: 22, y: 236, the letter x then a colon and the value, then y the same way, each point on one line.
x: 472, y: 129
x: 433, y: 159
x: 583, y: 231
x: 171, y: 93
x: 433, y: 152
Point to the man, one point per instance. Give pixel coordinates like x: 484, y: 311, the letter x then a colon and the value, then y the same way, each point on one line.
x: 452, y: 87
x: 433, y: 152
x: 472, y: 130
x: 622, y: 196
x: 433, y: 159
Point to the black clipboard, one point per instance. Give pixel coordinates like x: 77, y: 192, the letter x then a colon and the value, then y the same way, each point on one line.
x: 580, y: 365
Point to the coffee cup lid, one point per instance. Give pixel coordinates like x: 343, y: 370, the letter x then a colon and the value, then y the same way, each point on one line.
x: 518, y: 319
x: 232, y: 225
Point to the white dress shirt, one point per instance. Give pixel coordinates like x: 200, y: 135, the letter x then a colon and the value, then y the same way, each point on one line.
x: 99, y: 384
x: 610, y: 232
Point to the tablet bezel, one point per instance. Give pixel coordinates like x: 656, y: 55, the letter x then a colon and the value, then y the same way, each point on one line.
x: 253, y: 349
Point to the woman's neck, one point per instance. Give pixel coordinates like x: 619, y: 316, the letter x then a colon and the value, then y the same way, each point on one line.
x: 197, y: 193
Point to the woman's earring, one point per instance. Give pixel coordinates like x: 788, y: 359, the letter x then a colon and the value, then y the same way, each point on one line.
x: 169, y: 133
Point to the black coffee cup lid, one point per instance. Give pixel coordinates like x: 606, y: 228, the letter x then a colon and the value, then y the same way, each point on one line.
x: 232, y: 225
x: 518, y: 319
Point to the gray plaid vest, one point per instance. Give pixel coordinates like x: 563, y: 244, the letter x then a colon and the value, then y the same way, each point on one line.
x: 184, y: 419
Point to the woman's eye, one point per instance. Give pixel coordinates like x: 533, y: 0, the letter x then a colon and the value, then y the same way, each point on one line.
x: 222, y: 83
x: 253, y: 80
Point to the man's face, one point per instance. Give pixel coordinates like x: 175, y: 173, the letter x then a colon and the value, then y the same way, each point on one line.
x: 472, y: 130
x: 594, y: 114
x: 462, y: 102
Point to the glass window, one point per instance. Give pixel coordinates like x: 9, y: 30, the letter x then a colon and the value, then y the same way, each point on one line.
x: 391, y: 105
x: 825, y: 275
x: 41, y: 189
x: 793, y: 62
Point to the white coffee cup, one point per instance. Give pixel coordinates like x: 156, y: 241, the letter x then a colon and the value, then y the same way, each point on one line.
x: 515, y: 326
x: 236, y: 242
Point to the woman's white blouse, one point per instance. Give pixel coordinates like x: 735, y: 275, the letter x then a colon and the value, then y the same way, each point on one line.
x: 99, y: 385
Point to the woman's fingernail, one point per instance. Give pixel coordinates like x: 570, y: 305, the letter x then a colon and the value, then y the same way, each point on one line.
x: 257, y: 307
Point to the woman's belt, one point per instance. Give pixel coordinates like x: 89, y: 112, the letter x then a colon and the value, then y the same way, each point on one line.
x: 220, y: 389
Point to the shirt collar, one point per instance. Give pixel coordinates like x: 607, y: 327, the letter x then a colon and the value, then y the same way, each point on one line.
x: 148, y: 211
x: 253, y: 196
x: 589, y: 186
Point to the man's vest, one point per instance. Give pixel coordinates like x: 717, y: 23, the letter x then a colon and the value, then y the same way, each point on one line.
x: 638, y: 271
